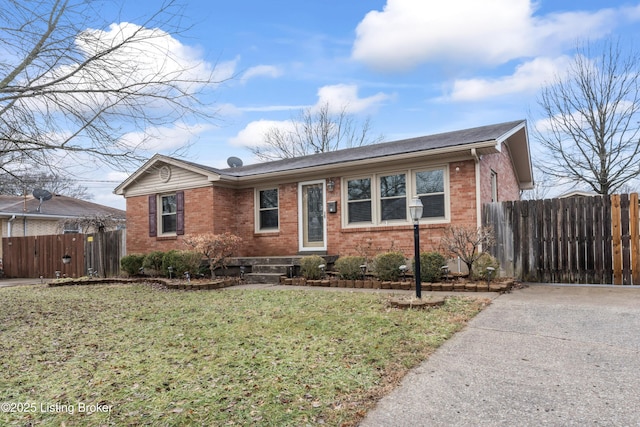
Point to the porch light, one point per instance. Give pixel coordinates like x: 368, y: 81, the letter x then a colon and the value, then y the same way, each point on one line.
x: 415, y: 210
x: 331, y: 185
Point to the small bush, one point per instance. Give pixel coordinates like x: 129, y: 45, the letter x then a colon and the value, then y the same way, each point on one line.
x: 349, y: 267
x: 131, y: 264
x: 153, y: 261
x: 181, y: 261
x: 479, y: 270
x: 431, y: 266
x: 387, y: 265
x: 309, y: 267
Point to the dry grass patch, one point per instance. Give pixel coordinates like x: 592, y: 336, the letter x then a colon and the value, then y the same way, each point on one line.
x: 208, y: 358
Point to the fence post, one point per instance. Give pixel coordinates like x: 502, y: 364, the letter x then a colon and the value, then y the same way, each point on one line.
x: 635, y: 237
x: 616, y: 238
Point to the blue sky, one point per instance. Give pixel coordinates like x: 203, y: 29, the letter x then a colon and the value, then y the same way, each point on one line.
x: 414, y: 67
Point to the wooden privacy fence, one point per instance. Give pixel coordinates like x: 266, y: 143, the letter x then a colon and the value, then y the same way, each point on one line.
x: 35, y: 256
x: 570, y: 240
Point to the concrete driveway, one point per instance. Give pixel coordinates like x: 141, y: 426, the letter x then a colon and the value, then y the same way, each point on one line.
x: 543, y: 355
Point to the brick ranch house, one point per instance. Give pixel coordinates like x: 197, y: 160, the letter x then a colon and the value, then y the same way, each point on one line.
x: 331, y: 203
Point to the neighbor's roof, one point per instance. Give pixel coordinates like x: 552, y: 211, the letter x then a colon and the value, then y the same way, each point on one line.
x: 487, y: 138
x: 57, y: 206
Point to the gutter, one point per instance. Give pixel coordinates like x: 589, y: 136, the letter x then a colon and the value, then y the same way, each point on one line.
x: 9, y: 225
x: 340, y: 166
x: 476, y: 158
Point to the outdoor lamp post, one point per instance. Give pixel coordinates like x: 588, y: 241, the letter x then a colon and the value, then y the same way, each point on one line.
x: 415, y: 210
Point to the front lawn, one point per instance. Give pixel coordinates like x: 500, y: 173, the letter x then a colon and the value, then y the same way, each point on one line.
x: 131, y: 355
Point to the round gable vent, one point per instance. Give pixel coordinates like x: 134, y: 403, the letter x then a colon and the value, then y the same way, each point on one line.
x: 164, y: 173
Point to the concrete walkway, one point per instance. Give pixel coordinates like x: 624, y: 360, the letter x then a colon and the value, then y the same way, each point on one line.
x: 543, y: 355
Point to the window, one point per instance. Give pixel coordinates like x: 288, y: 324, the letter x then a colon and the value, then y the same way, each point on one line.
x: 166, y: 214
x: 430, y: 190
x: 383, y: 199
x: 71, y: 227
x: 268, y: 209
x: 169, y: 214
x: 359, y: 200
x: 494, y: 186
x: 393, y: 197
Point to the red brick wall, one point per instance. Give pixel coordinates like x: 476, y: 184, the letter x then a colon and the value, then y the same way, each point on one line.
x: 218, y: 210
x: 282, y: 242
x: 508, y: 188
x: 198, y: 218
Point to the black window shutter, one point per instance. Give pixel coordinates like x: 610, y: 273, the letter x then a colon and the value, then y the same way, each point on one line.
x: 153, y: 216
x: 179, y: 212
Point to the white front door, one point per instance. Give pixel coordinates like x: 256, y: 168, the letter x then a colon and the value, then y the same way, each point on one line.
x: 312, y: 224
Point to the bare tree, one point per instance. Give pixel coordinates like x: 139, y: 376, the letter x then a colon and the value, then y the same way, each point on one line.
x: 24, y: 184
x: 543, y: 185
x: 71, y: 85
x: 466, y: 242
x: 315, y: 131
x: 590, y: 131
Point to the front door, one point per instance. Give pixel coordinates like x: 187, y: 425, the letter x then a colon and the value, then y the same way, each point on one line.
x: 312, y: 216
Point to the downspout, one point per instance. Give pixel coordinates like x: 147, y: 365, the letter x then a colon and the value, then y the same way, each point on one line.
x: 476, y: 158
x: 9, y: 225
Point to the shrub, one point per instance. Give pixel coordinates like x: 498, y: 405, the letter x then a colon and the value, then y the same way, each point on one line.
x: 131, y: 264
x: 153, y: 261
x: 387, y: 265
x: 431, y: 266
x: 485, y: 260
x: 217, y: 248
x: 309, y: 266
x: 349, y: 267
x: 181, y: 261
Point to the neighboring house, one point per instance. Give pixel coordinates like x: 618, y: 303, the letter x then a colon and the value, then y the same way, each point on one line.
x: 28, y: 216
x: 577, y: 193
x: 335, y: 203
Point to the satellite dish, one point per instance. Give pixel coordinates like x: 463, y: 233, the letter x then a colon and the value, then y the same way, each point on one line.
x: 42, y: 195
x: 234, y: 162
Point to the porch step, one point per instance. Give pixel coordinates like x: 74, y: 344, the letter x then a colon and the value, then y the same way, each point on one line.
x: 269, y: 269
x: 267, y: 278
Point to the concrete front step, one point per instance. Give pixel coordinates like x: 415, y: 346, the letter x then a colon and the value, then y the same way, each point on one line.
x: 270, y: 278
x: 269, y: 269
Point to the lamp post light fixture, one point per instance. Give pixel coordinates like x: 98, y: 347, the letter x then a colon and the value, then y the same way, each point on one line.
x: 363, y: 268
x: 170, y: 269
x: 322, y: 267
x: 415, y: 210
x: 403, y: 269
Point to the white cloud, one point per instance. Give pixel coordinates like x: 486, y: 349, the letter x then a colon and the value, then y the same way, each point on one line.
x: 337, y: 97
x: 343, y: 96
x: 529, y: 77
x: 160, y: 139
x: 253, y: 133
x: 261, y: 71
x: 411, y: 32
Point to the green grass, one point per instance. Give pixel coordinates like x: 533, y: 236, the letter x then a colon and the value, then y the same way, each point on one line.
x: 259, y: 358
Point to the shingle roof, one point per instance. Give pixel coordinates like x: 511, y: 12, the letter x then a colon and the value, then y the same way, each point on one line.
x: 58, y: 205
x: 430, y: 142
x: 449, y: 141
